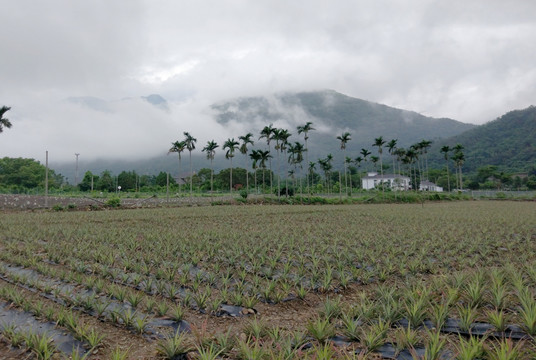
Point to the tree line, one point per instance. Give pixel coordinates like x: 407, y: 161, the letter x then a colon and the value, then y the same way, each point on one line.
x: 292, y: 155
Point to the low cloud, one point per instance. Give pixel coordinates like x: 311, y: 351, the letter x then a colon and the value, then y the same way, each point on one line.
x: 467, y: 61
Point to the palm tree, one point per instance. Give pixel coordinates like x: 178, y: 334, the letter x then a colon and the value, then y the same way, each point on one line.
x: 190, y: 145
x: 284, y: 135
x: 312, y: 166
x: 379, y: 142
x: 357, y: 162
x: 268, y: 133
x: 425, y: 145
x: 365, y: 153
x: 445, y: 150
x: 246, y: 140
x: 418, y: 151
x: 459, y: 159
x: 344, y: 138
x: 4, y: 122
x: 231, y: 145
x: 348, y: 160
x: 276, y: 135
x: 210, y: 149
x: 256, y: 157
x: 400, y: 153
x: 178, y: 147
x: 264, y: 156
x: 410, y: 158
x: 325, y: 165
x: 391, y: 146
x: 296, y: 155
x: 374, y: 159
x: 305, y: 130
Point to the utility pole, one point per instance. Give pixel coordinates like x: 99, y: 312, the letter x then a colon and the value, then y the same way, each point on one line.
x: 46, y: 180
x: 76, y: 172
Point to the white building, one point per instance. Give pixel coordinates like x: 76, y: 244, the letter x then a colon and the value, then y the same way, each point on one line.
x: 394, y: 181
x: 429, y: 186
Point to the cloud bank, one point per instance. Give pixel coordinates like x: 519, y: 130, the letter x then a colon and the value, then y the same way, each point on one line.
x: 471, y: 61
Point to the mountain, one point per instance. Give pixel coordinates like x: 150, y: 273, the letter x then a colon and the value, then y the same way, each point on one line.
x: 91, y: 102
x: 509, y: 142
x: 332, y: 114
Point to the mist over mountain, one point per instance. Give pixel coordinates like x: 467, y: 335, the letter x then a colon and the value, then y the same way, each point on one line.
x: 330, y: 112
x: 107, y: 106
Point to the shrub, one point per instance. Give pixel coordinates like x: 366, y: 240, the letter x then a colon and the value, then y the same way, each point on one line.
x: 244, y: 194
x: 113, y: 202
x: 58, y: 207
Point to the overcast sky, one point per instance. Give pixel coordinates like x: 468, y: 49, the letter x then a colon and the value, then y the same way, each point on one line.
x: 470, y: 60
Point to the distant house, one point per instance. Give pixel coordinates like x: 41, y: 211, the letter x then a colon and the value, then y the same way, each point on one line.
x: 184, y: 179
x: 394, y: 181
x: 429, y: 186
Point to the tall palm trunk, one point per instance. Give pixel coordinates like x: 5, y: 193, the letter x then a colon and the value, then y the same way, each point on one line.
x: 461, y: 182
x: 456, y: 176
x: 191, y: 175
x: 179, y: 177
x: 279, y: 174
x: 255, y: 179
x: 448, y: 176
x: 211, y: 177
x: 307, y: 173
x: 381, y: 171
x: 394, y: 173
x: 286, y: 174
x: 271, y: 173
x: 345, y: 174
x: 231, y: 177
x: 247, y: 174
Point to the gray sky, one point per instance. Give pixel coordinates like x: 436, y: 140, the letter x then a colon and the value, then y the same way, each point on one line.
x: 470, y: 60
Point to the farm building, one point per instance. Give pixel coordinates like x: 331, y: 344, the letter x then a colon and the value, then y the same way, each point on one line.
x: 429, y: 186
x: 394, y: 181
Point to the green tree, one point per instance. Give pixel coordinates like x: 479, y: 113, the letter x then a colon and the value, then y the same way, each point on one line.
x: 231, y: 145
x: 305, y: 130
x: 190, y: 145
x: 127, y: 180
x: 391, y: 147
x: 210, y: 149
x: 296, y: 156
x: 445, y: 149
x: 246, y: 140
x: 264, y: 156
x: 379, y: 142
x: 284, y: 136
x: 276, y: 135
x: 344, y: 138
x: 4, y: 122
x: 26, y: 173
x: 106, y: 182
x: 365, y: 153
x: 88, y: 182
x: 326, y: 166
x: 424, y: 145
x: 162, y: 179
x: 178, y: 147
x: 459, y: 159
x: 255, y: 156
x: 268, y: 132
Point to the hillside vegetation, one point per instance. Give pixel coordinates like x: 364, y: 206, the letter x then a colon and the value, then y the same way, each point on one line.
x: 509, y: 142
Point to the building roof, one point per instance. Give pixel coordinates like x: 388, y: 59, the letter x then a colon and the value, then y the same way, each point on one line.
x: 385, y: 177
